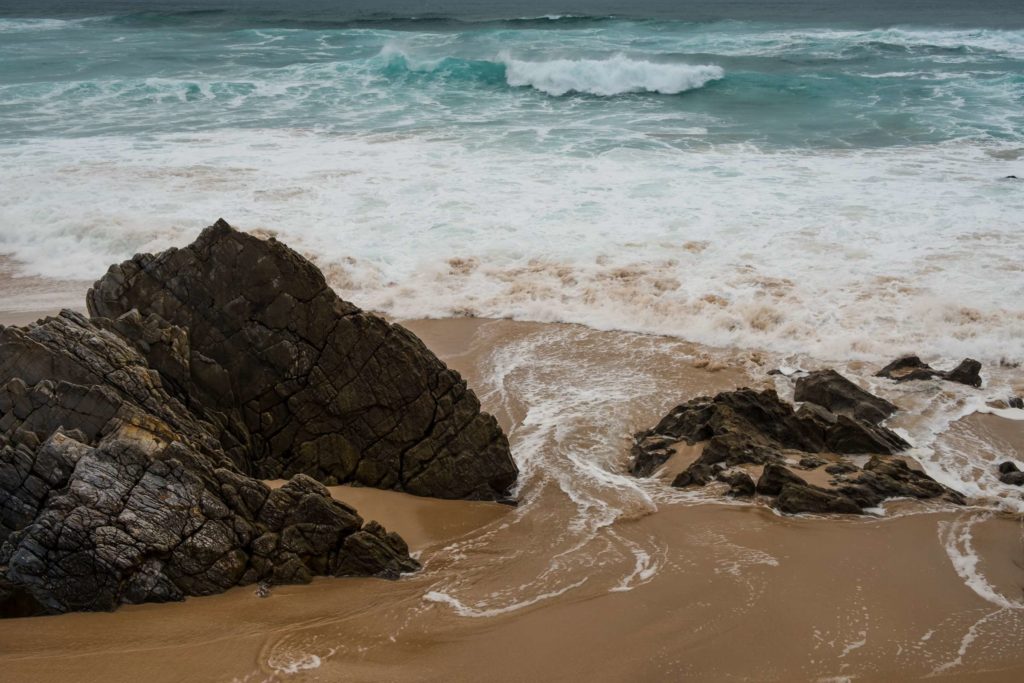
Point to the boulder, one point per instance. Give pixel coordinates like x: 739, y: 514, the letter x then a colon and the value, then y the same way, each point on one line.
x: 913, y: 368
x: 893, y: 478
x: 830, y: 390
x: 300, y: 380
x: 797, y: 498
x: 774, y: 477
x: 811, y: 462
x: 906, y: 369
x: 740, y: 484
x: 132, y: 443
x: 968, y: 372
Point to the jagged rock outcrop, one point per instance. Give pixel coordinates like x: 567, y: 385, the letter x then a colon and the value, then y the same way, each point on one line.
x: 753, y: 427
x: 744, y: 430
x: 913, y: 368
x: 131, y: 447
x: 300, y: 380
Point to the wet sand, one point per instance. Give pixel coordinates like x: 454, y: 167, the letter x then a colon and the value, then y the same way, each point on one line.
x: 26, y: 298
x: 596, y: 575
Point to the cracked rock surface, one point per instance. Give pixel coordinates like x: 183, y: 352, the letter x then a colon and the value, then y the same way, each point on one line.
x: 132, y: 442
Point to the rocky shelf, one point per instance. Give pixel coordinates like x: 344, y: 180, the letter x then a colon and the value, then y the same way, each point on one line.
x: 133, y: 441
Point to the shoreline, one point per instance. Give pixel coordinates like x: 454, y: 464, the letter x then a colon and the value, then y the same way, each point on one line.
x: 651, y: 581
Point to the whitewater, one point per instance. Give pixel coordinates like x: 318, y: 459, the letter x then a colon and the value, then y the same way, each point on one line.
x: 805, y: 189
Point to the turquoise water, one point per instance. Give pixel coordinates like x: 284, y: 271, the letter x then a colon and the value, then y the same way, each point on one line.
x: 600, y: 83
x: 812, y: 177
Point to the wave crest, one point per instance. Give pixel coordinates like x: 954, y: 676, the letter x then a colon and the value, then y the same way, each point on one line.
x: 613, y: 76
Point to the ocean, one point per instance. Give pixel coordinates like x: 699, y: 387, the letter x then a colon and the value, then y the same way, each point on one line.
x: 808, y: 177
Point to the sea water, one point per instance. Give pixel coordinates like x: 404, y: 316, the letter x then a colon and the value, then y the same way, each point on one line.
x: 815, y: 177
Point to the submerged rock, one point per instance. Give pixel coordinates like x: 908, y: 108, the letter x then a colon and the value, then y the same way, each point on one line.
x: 132, y: 443
x: 913, y: 368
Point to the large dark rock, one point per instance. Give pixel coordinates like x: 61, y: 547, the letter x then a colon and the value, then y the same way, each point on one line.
x: 300, y: 380
x: 913, y: 368
x: 830, y: 390
x: 131, y: 446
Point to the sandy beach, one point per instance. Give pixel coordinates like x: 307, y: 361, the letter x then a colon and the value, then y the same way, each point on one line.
x: 722, y: 362
x: 595, y: 574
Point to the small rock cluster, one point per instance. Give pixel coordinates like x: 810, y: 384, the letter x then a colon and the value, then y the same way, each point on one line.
x: 745, y: 430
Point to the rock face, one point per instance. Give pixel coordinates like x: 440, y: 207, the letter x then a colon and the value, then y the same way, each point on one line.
x: 131, y: 446
x: 912, y: 367
x: 745, y: 429
x: 300, y: 380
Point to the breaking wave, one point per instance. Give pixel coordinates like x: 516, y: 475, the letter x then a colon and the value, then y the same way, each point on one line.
x: 613, y: 76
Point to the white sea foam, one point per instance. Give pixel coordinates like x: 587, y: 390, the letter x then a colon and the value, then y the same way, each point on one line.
x: 612, y: 76
x: 294, y: 663
x: 958, y: 540
x: 464, y: 610
x: 11, y: 25
x: 833, y: 254
x: 1006, y: 413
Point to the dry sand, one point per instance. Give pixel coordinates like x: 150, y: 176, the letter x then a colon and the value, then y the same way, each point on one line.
x: 595, y: 576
